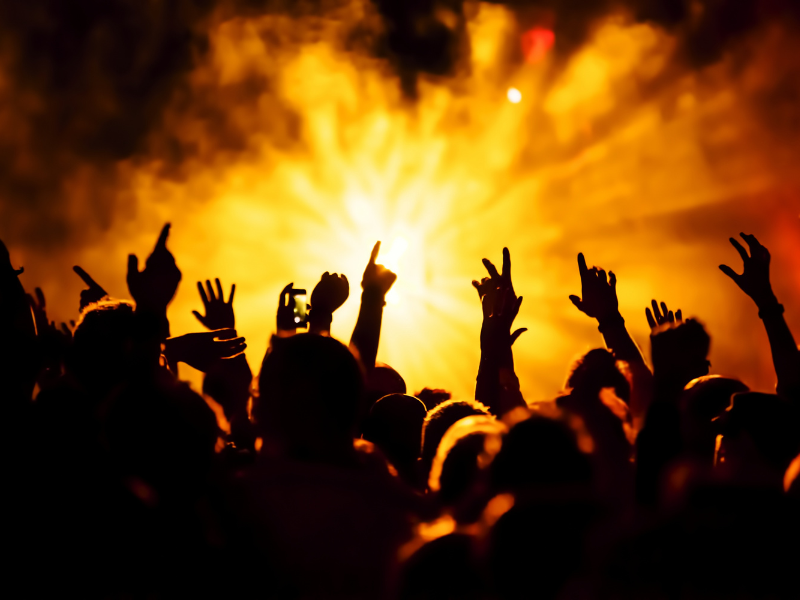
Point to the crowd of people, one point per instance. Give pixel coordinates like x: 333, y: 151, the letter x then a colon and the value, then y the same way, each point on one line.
x: 322, y: 476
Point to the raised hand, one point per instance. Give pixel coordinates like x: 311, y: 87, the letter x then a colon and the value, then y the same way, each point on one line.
x: 219, y: 314
x: 155, y: 286
x: 285, y: 318
x: 659, y: 317
x: 94, y: 293
x: 754, y: 281
x: 599, y: 293
x: 203, y: 350
x: 377, y: 277
x: 495, y: 280
x: 329, y: 294
x: 500, y: 308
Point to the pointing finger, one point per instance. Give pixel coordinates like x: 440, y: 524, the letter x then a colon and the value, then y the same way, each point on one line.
x: 582, y: 268
x: 161, y: 244
x: 650, y: 320
x: 506, y: 263
x: 233, y: 290
x: 87, y: 279
x: 375, y: 251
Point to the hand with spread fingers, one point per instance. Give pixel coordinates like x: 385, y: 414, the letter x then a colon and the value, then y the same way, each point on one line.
x: 500, y: 308
x: 598, y: 292
x: 219, y: 313
x: 754, y: 280
x: 664, y: 315
x: 376, y: 276
x: 203, y: 350
x: 94, y: 292
x: 155, y: 286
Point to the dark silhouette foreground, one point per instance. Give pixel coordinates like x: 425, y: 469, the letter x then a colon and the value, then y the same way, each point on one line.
x: 327, y: 479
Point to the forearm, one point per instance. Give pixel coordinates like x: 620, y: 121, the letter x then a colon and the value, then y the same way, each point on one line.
x: 785, y: 354
x: 367, y: 332
x: 487, y: 383
x: 620, y: 342
x: 497, y: 385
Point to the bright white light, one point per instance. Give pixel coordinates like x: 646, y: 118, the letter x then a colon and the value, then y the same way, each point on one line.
x: 514, y: 95
x: 391, y: 260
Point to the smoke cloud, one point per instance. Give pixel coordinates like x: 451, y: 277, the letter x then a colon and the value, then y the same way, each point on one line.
x: 86, y: 85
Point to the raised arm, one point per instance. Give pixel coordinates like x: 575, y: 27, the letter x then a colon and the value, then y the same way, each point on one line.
x: 599, y: 301
x: 154, y: 287
x: 497, y: 385
x: 755, y: 282
x: 376, y: 283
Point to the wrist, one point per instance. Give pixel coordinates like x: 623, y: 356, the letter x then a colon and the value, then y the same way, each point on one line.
x: 768, y: 310
x: 373, y: 295
x: 320, y: 319
x: 609, y: 321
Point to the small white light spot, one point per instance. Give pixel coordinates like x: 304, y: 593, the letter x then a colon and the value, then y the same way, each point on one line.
x: 514, y: 95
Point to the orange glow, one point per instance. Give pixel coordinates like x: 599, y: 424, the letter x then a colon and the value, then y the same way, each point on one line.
x: 607, y: 156
x: 536, y: 43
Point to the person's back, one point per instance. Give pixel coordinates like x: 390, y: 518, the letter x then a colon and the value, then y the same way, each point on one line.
x: 318, y: 509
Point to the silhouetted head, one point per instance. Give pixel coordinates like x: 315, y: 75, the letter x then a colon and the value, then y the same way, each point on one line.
x: 680, y: 351
x: 595, y: 370
x: 162, y: 432
x: 468, y: 447
x: 310, y: 388
x: 104, y: 344
x: 394, y: 425
x: 439, y: 420
x: 382, y: 381
x: 704, y: 399
x: 537, y: 452
x: 760, y: 435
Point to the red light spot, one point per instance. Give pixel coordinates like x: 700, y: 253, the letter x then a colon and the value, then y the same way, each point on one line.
x: 536, y: 43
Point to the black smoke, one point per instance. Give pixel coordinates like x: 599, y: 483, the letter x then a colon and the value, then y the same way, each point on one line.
x: 85, y: 84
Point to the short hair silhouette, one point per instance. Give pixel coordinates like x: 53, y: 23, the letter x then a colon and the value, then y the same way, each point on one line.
x: 102, y: 343
x: 439, y: 420
x: 598, y: 369
x: 310, y: 387
x: 680, y: 350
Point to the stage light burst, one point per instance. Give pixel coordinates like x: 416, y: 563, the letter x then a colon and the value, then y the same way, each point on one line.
x: 588, y: 162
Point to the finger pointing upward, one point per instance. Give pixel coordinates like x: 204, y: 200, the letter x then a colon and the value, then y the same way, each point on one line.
x: 375, y: 251
x: 161, y: 244
x: 506, y: 263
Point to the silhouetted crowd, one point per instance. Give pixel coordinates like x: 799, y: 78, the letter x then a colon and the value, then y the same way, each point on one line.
x: 323, y: 477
